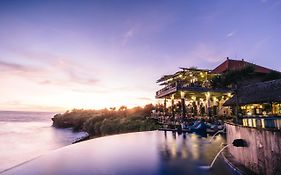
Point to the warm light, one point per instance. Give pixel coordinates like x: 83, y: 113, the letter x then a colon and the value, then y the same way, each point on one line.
x: 174, y: 149
x: 254, y: 123
x: 208, y: 95
x: 184, y: 153
x: 262, y: 123
x: 182, y: 94
x: 215, y: 99
x: 250, y: 122
x: 245, y: 122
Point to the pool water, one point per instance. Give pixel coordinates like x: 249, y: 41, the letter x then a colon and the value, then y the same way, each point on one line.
x: 153, y: 152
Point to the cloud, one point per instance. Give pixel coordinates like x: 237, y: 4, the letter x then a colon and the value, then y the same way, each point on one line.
x: 81, y: 77
x: 48, y: 66
x: 22, y: 106
x: 14, y: 67
x: 205, y: 54
x: 128, y: 35
x: 231, y: 34
x: 58, y: 72
x: 10, y: 65
x: 31, y: 55
x: 145, y: 99
x: 258, y: 47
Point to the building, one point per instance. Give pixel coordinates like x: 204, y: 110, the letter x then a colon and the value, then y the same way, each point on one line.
x: 258, y: 99
x: 230, y: 65
x: 189, y: 92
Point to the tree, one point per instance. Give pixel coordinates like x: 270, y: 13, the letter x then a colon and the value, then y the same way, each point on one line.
x: 273, y: 75
x: 234, y: 79
x: 123, y: 110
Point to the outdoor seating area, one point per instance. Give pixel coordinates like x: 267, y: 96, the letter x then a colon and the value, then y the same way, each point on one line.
x: 193, y: 94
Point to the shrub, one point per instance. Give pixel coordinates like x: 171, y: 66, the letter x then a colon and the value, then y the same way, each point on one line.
x: 106, y: 122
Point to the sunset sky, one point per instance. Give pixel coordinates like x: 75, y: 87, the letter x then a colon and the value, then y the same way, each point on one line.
x: 58, y: 55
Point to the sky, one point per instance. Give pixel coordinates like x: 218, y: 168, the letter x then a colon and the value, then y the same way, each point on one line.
x: 58, y: 55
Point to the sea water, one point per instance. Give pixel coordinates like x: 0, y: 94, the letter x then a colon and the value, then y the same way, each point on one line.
x: 27, y: 135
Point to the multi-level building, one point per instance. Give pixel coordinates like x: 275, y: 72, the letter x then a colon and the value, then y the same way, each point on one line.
x: 189, y: 92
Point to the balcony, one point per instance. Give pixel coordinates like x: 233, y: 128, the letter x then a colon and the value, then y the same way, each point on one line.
x: 192, y: 87
x: 166, y: 90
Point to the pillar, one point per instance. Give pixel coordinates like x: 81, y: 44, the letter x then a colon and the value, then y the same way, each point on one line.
x: 173, y: 106
x: 183, y: 108
x: 195, y: 106
x: 208, y: 96
x: 165, y: 106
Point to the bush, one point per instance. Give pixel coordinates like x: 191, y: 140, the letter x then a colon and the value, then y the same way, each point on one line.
x: 107, y: 122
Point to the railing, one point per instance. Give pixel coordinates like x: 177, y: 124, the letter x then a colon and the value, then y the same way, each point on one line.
x: 167, y: 90
x: 189, y: 87
x: 179, y: 86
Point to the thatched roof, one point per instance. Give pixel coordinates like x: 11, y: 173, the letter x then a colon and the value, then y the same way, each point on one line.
x: 166, y: 79
x: 263, y: 92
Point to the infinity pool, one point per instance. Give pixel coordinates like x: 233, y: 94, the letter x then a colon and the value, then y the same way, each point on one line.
x: 153, y: 152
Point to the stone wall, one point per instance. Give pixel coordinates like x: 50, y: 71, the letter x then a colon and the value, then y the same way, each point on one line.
x: 263, y: 152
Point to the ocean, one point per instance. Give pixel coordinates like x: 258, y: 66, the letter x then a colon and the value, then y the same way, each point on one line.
x: 27, y: 135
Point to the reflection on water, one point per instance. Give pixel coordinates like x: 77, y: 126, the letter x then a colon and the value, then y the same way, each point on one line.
x: 186, y: 152
x: 154, y: 152
x: 265, y: 122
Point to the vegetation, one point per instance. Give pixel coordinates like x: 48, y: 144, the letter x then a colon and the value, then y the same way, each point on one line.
x: 273, y: 75
x: 234, y: 78
x: 105, y: 122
